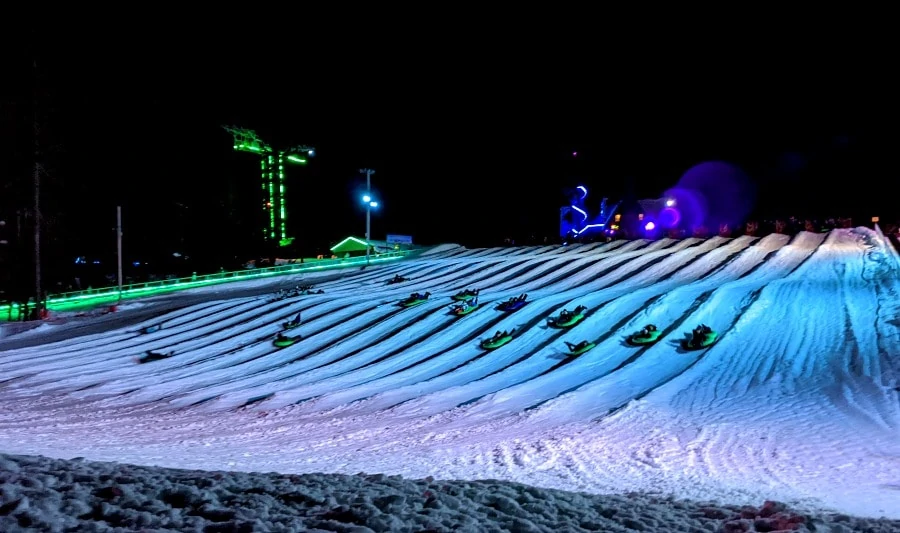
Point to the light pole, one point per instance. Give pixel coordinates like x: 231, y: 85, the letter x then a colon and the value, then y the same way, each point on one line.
x: 119, y: 248
x: 367, y: 199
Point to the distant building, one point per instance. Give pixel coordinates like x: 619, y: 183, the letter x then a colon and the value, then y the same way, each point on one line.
x: 355, y: 246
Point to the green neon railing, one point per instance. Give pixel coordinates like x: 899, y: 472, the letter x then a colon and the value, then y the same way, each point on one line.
x: 68, y: 301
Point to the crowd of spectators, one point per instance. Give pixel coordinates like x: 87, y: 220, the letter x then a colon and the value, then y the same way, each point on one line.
x: 760, y: 228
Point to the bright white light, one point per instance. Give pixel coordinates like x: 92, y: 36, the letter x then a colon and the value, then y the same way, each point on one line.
x: 367, y: 198
x: 649, y: 226
x: 373, y: 204
x: 670, y: 203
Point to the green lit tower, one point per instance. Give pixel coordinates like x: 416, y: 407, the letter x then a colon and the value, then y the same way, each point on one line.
x: 271, y: 164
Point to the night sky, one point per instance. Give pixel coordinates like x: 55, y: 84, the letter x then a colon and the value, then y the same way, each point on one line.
x: 470, y: 146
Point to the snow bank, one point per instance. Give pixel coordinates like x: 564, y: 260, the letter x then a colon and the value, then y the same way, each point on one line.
x: 8, y: 329
x: 37, y: 493
x: 34, y: 328
x: 886, y: 244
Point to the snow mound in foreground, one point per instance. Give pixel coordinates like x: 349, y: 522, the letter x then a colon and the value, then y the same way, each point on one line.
x: 38, y: 493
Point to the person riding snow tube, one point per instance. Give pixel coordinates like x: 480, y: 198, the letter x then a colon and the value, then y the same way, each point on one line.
x: 567, y: 319
x: 701, y: 337
x: 397, y: 279
x: 415, y: 299
x: 151, y: 356
x: 466, y: 295
x: 464, y: 308
x: 499, y: 339
x: 283, y: 341
x: 150, y: 329
x: 580, y: 348
x: 308, y: 292
x: 293, y: 323
x: 647, y: 335
x: 513, y: 304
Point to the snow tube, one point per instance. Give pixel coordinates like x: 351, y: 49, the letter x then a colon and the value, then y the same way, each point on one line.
x: 566, y: 321
x: 463, y: 310
x: 285, y: 342
x: 464, y: 296
x: 410, y: 302
x: 151, y: 329
x: 289, y: 325
x: 581, y: 349
x: 708, y: 340
x: 642, y: 340
x: 149, y: 357
x: 492, y: 343
x: 511, y: 305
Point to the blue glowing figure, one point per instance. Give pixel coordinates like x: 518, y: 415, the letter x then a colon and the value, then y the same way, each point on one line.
x: 574, y: 219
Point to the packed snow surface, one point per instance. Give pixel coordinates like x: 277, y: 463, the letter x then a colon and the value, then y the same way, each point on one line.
x: 52, y: 495
x: 797, y: 401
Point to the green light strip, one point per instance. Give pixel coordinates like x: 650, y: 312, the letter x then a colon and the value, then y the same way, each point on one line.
x: 282, y: 208
x: 110, y: 295
x: 272, y: 199
x: 247, y: 148
x: 265, y: 177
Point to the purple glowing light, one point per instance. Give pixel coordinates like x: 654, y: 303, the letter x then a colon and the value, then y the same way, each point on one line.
x: 669, y: 217
x: 713, y: 193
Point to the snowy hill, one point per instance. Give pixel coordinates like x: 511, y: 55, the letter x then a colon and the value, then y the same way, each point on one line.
x: 796, y: 400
